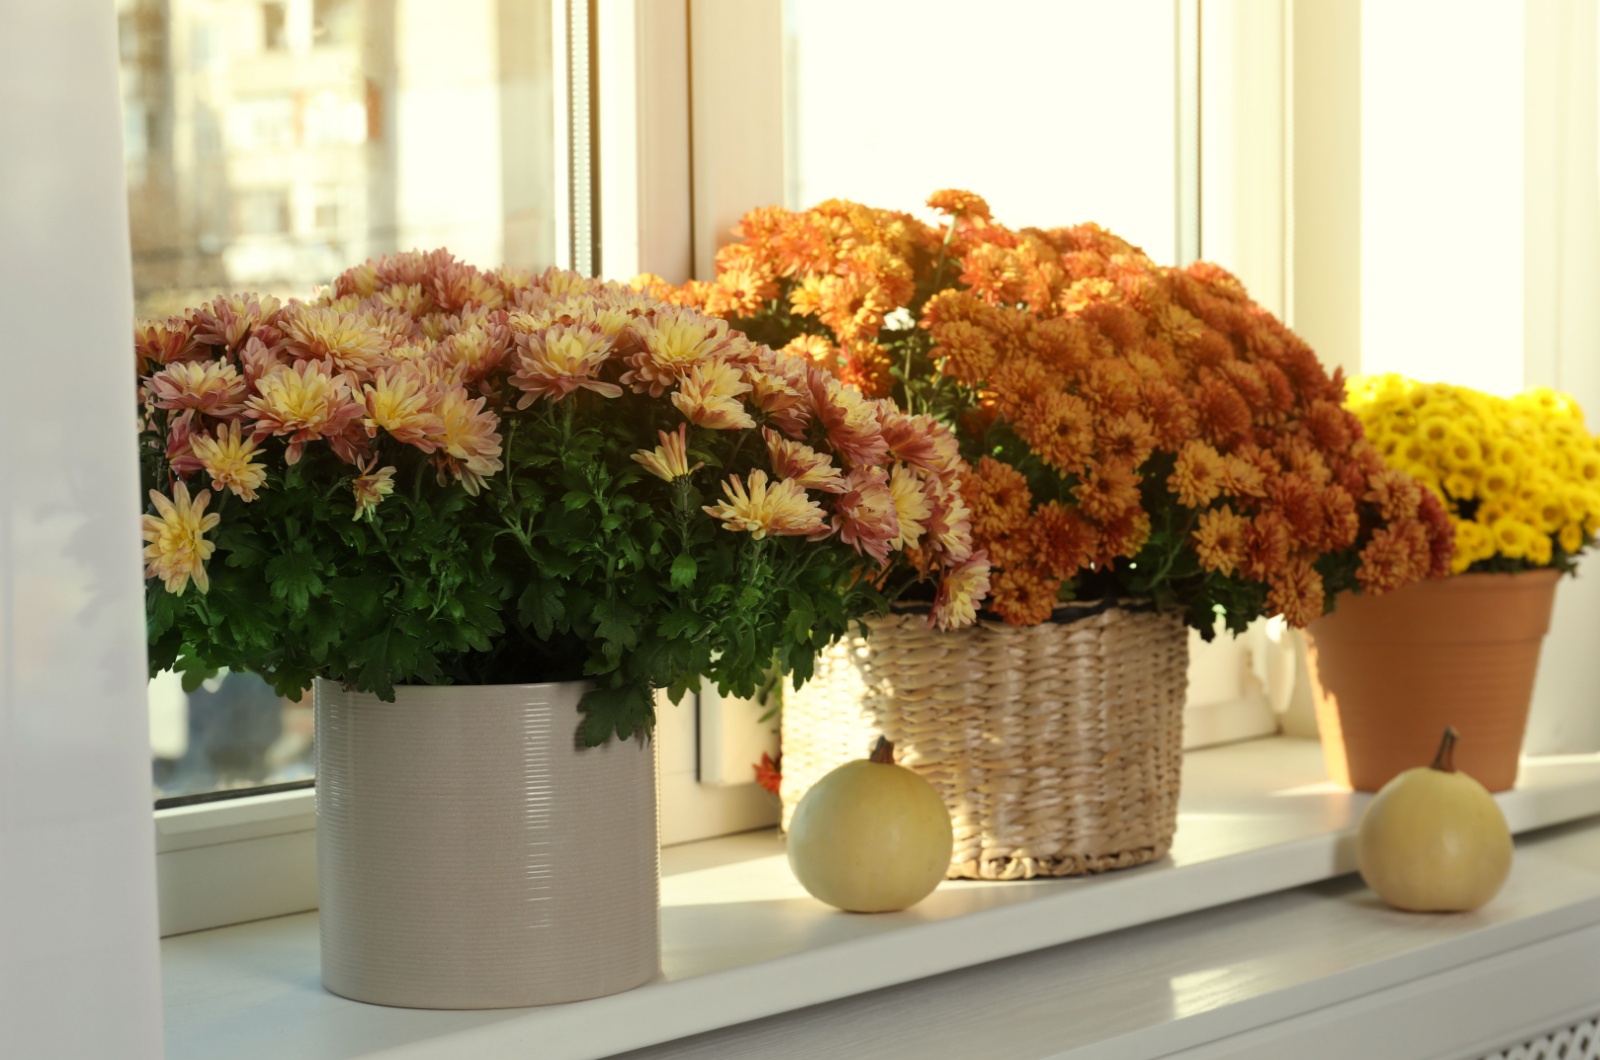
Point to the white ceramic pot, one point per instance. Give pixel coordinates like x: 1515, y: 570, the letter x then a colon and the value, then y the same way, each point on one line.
x: 472, y: 853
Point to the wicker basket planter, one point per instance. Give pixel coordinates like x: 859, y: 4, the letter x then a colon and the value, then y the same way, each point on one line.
x: 1056, y: 747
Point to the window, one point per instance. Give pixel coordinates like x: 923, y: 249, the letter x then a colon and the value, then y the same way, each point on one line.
x: 427, y: 125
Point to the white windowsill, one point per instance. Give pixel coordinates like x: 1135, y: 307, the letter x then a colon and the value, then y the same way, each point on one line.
x: 741, y: 940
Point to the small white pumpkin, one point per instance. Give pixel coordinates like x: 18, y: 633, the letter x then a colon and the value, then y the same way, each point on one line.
x: 871, y: 836
x: 1434, y: 840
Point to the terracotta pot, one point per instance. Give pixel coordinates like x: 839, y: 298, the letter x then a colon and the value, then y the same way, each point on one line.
x: 472, y: 854
x: 1390, y: 672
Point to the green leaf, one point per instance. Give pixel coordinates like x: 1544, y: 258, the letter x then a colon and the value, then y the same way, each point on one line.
x: 617, y: 622
x: 540, y: 606
x: 679, y: 623
x: 294, y: 578
x: 683, y: 571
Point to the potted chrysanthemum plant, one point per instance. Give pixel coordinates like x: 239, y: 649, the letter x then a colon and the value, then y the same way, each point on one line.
x: 1520, y: 480
x: 488, y: 515
x: 1149, y: 449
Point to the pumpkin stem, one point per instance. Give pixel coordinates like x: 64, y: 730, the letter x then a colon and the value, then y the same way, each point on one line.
x: 883, y: 752
x: 1445, y: 760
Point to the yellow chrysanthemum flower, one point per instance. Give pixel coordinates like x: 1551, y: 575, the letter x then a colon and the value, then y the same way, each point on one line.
x: 177, y: 549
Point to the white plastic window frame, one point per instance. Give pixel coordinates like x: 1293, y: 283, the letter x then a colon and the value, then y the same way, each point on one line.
x: 684, y: 148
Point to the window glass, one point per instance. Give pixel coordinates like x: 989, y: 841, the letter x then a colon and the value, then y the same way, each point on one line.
x: 270, y: 145
x: 1055, y: 111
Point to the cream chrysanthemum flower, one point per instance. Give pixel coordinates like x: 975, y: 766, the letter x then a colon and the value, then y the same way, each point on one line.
x: 960, y: 592
x: 558, y: 360
x: 709, y: 397
x: 177, y: 549
x: 401, y: 403
x: 468, y: 439
x: 911, y: 507
x: 781, y: 508
x: 669, y: 461
x: 227, y: 459
x: 304, y: 403
x: 346, y: 341
x: 672, y: 341
x: 212, y: 387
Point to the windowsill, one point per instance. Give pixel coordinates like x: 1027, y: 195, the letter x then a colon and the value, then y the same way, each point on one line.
x: 741, y: 940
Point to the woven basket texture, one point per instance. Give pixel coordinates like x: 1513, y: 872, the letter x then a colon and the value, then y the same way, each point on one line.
x: 1057, y: 747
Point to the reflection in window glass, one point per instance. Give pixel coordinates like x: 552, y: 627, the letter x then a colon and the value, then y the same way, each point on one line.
x: 1056, y: 111
x: 270, y: 145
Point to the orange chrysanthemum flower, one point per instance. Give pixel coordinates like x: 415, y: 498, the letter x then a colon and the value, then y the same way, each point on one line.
x: 1023, y: 596
x: 1220, y: 540
x: 1108, y: 491
x: 1199, y: 475
x: 998, y: 496
x: 1298, y: 593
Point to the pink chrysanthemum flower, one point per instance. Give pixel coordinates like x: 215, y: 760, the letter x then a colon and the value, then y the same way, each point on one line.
x: 778, y: 393
x: 960, y: 592
x: 558, y: 360
x: 180, y: 450
x: 864, y: 515
x: 672, y: 342
x: 227, y: 459
x: 850, y: 420
x: 781, y: 509
x: 229, y: 320
x: 948, y: 533
x: 304, y: 403
x: 469, y: 442
x: 476, y: 351
x: 910, y: 439
x: 709, y: 397
x: 345, y: 341
x: 157, y: 342
x: 669, y: 461
x: 177, y: 549
x: 371, y: 487
x: 401, y: 402
x: 803, y: 464
x: 212, y: 387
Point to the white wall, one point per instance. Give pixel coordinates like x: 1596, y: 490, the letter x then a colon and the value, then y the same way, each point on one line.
x: 78, y: 960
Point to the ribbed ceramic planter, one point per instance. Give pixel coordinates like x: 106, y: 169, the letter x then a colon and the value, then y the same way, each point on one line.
x: 1390, y: 672
x: 473, y: 854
